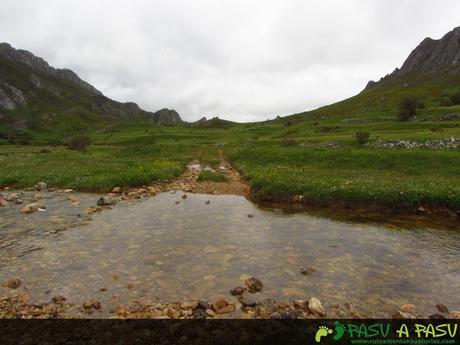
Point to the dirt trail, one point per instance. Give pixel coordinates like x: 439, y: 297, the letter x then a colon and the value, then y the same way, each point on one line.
x: 235, y: 184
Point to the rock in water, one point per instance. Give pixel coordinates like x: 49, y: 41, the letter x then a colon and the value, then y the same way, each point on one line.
x: 219, y: 304
x: 408, y: 308
x: 30, y: 208
x: 41, y: 186
x: 253, y: 284
x: 307, y: 270
x: 92, y: 305
x: 116, y: 190
x: 238, y: 291
x: 442, y: 308
x: 105, y: 201
x: 316, y: 307
x: 13, y: 283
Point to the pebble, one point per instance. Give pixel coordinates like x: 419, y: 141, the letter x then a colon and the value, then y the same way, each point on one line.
x: 455, y: 314
x: 184, y: 196
x: 307, y: 270
x: 177, y: 202
x: 59, y: 299
x: 105, y: 201
x: 299, y: 303
x: 219, y: 304
x: 442, y: 308
x: 316, y: 307
x: 13, y: 283
x: 116, y: 190
x: 207, y: 202
x: 237, y: 291
x: 92, y: 305
x: 30, y: 208
x: 408, y: 308
x: 41, y: 186
x: 253, y: 284
x: 230, y: 308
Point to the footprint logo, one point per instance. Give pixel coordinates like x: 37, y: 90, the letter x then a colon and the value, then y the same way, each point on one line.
x: 339, y: 330
x: 322, y: 331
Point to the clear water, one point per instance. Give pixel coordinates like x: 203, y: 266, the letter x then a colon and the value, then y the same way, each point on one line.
x: 170, y: 252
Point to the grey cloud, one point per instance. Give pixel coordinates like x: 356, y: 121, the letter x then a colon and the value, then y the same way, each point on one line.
x: 240, y: 60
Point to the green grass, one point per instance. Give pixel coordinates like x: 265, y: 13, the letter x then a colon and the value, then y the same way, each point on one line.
x: 279, y: 158
x: 211, y: 176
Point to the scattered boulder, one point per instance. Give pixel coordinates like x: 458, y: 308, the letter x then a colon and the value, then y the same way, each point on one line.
x: 3, y: 201
x: 307, y: 270
x: 39, y: 197
x: 184, y: 196
x: 13, y: 283
x: 207, y: 202
x: 238, y: 291
x: 41, y: 186
x: 253, y: 284
x: 177, y: 202
x: 316, y: 307
x: 250, y: 216
x: 105, y: 201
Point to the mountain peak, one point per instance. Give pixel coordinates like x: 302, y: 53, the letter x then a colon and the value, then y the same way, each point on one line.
x: 40, y: 65
x: 441, y: 56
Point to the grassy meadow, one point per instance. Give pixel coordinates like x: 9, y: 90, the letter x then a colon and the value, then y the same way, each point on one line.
x: 317, y: 157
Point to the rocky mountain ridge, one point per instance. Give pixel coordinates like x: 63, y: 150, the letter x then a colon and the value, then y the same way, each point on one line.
x: 431, y: 56
x: 33, y: 93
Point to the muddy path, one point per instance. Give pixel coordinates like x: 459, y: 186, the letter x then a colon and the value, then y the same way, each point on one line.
x: 234, y: 184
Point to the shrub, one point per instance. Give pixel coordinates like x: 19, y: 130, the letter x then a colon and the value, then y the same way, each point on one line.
x: 407, y: 109
x: 79, y: 143
x: 362, y: 137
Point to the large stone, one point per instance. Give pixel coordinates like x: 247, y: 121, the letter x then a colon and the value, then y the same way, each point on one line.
x: 316, y: 307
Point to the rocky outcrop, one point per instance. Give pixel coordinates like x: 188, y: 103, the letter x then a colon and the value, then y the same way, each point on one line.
x: 40, y: 65
x: 28, y: 82
x: 431, y: 56
x: 166, y: 117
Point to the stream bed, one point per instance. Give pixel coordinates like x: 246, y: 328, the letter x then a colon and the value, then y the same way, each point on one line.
x: 158, y: 250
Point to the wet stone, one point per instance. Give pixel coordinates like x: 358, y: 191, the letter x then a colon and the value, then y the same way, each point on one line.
x: 307, y: 270
x: 442, y: 308
x: 253, y: 284
x: 13, y: 283
x: 237, y: 291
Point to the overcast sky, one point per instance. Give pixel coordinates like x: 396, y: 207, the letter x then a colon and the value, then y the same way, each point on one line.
x: 238, y: 59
